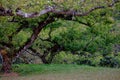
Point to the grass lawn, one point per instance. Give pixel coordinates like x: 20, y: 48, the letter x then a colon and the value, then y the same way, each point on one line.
x: 29, y: 69
x: 63, y: 72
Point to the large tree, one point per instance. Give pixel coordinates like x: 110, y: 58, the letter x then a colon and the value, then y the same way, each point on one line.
x: 35, y: 15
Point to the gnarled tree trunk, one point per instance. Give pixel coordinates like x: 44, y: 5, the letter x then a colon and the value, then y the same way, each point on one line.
x: 6, y: 65
x: 6, y: 62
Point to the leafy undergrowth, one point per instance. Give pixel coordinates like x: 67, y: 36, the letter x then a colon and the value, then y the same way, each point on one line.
x: 29, y: 69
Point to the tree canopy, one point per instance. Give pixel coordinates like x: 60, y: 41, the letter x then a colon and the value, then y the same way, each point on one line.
x: 21, y: 21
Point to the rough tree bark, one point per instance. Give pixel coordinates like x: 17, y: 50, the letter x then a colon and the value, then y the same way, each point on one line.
x: 6, y: 64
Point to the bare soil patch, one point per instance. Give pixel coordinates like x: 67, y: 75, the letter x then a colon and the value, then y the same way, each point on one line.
x: 12, y: 74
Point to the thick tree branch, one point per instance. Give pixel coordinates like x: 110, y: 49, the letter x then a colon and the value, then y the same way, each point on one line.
x: 35, y: 14
x: 6, y: 12
x: 63, y: 12
x: 54, y: 10
x: 34, y: 35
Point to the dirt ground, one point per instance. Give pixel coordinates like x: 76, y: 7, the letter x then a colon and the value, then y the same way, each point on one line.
x: 89, y: 75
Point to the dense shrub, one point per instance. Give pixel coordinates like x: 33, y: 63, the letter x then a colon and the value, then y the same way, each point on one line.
x: 65, y: 58
x: 109, y: 61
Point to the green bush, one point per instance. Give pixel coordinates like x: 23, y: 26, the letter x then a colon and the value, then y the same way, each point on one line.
x: 65, y: 58
x: 96, y: 60
x: 84, y: 58
x: 109, y: 61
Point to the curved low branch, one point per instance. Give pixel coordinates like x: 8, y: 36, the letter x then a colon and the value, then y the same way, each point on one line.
x: 51, y: 9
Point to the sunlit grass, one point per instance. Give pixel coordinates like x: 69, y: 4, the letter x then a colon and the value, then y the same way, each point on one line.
x: 27, y: 69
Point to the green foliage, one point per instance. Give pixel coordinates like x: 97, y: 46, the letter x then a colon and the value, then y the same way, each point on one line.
x: 92, y: 40
x: 32, y: 5
x: 20, y: 38
x: 97, y: 40
x: 109, y: 61
x: 71, y: 37
x: 77, y: 37
x: 65, y: 58
x: 6, y: 29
